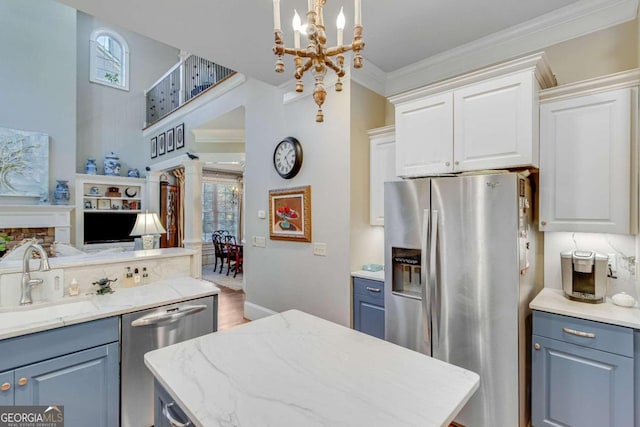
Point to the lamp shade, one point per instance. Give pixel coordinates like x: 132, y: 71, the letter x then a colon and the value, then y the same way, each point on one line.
x: 146, y: 224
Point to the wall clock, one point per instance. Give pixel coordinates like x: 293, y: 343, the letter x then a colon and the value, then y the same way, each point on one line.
x: 287, y: 157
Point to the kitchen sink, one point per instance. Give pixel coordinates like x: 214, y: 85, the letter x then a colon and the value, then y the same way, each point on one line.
x: 44, y: 312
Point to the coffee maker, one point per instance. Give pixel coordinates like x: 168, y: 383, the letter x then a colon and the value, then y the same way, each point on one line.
x: 584, y: 275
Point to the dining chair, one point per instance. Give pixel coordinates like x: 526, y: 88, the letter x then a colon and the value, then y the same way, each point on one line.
x: 220, y: 249
x: 235, y: 259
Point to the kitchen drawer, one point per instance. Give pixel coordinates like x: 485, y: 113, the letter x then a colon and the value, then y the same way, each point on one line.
x: 601, y: 336
x: 373, y: 290
x: 31, y: 348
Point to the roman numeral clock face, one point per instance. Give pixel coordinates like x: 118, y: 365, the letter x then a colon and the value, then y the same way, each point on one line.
x: 287, y: 157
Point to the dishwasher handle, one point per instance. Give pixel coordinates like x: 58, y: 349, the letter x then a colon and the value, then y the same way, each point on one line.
x: 173, y: 422
x: 169, y: 316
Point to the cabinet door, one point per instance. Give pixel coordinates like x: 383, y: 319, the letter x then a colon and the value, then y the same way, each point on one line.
x: 6, y: 388
x: 579, y: 386
x: 382, y: 169
x: 86, y: 383
x: 166, y: 413
x: 585, y: 164
x: 495, y: 124
x: 424, y: 136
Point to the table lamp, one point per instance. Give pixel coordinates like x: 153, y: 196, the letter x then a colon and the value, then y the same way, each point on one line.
x: 148, y: 226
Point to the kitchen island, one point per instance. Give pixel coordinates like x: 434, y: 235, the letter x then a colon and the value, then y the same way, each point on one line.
x: 294, y: 369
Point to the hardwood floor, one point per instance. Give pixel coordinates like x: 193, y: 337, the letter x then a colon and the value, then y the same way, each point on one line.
x: 230, y: 308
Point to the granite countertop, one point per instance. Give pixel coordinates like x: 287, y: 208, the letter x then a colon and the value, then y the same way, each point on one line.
x: 554, y: 301
x: 107, y: 256
x: 371, y: 275
x: 295, y: 369
x: 71, y: 310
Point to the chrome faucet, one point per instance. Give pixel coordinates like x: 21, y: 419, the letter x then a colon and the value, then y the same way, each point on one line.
x: 27, y: 281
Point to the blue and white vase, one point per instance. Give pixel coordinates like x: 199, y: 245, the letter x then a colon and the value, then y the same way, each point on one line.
x: 61, y: 194
x: 133, y: 173
x: 91, y: 168
x: 112, y: 164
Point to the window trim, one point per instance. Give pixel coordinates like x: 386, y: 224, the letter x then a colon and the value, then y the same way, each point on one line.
x: 92, y: 58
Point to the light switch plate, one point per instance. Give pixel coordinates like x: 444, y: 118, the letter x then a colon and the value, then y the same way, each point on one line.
x: 320, y: 249
x: 259, y: 241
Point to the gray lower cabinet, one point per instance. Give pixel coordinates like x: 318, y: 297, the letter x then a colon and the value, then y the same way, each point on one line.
x: 76, y: 367
x: 368, y: 306
x: 167, y: 413
x: 582, y: 372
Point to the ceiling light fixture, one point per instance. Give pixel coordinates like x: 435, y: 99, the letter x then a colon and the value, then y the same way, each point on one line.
x: 317, y: 53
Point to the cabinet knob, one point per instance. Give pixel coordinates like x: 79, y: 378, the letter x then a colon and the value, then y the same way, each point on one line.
x: 5, y: 386
x: 448, y: 164
x: 456, y: 163
x: 536, y: 346
x: 543, y: 223
x: 22, y: 381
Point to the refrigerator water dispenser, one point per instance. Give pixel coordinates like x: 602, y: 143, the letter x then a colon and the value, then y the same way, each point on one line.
x: 406, y: 272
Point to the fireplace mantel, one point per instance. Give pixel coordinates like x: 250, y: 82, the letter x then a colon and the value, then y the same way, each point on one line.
x: 32, y: 216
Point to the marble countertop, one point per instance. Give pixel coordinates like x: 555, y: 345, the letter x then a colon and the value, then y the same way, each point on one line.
x: 107, y: 256
x: 71, y: 310
x: 554, y: 301
x: 294, y: 369
x: 372, y: 275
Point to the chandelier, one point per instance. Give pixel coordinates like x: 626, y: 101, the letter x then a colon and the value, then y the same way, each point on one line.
x: 317, y: 55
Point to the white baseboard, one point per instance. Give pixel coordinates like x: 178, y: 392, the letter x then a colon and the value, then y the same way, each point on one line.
x: 254, y: 312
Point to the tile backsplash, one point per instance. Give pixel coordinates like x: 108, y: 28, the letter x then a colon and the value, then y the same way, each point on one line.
x: 625, y: 247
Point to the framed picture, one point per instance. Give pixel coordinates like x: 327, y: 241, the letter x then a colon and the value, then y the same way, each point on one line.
x: 104, y: 204
x: 290, y: 214
x: 180, y: 136
x: 170, y: 141
x: 161, y: 144
x: 154, y: 147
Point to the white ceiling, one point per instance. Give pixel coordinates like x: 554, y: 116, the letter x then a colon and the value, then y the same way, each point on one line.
x: 239, y: 33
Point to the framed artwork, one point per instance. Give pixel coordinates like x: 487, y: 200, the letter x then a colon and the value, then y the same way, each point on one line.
x: 290, y: 214
x: 180, y: 136
x: 161, y: 144
x: 154, y: 147
x: 170, y: 141
x: 104, y: 204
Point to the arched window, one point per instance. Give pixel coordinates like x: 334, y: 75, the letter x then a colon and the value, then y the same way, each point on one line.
x: 109, y: 59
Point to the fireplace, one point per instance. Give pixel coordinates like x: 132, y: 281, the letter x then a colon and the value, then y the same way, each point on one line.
x: 47, y: 223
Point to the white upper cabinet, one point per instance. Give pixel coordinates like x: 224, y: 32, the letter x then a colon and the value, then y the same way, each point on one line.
x: 487, y: 119
x: 426, y: 128
x: 493, y: 125
x: 588, y: 178
x: 382, y: 156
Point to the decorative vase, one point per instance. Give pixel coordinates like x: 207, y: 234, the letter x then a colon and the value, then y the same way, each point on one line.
x: 112, y: 164
x: 91, y: 168
x: 133, y: 173
x: 61, y: 194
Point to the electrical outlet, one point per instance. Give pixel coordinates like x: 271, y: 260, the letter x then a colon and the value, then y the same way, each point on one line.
x: 613, y: 263
x: 320, y: 249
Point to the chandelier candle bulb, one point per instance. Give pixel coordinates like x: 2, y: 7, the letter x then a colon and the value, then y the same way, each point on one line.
x: 297, y: 23
x: 311, y: 7
x: 357, y: 17
x: 276, y: 15
x: 340, y: 25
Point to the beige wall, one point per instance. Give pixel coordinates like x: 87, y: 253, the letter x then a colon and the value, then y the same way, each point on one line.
x: 368, y: 111
x: 604, y: 52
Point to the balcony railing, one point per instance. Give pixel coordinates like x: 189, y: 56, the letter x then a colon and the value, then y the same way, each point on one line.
x: 183, y: 82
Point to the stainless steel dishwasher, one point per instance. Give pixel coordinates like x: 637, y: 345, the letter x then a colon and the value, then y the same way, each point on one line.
x: 146, y: 330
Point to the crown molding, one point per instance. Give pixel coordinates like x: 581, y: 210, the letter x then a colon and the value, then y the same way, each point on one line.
x: 219, y: 136
x: 371, y: 77
x: 572, y: 21
x: 383, y: 131
x: 624, y: 79
x: 536, y: 63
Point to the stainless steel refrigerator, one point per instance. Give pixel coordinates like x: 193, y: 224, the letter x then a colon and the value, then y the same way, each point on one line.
x: 460, y: 272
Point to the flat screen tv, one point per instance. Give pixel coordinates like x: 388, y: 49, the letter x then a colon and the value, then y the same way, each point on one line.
x: 107, y: 227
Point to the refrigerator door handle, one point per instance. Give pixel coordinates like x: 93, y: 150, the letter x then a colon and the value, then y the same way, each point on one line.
x: 433, y: 279
x: 426, y: 294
